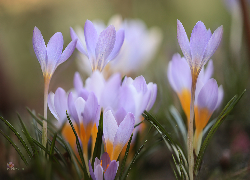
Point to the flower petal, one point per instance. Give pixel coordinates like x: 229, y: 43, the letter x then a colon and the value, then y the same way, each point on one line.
x: 198, y: 42
x: 120, y: 115
x: 98, y: 172
x: 208, y: 95
x: 61, y: 104
x: 118, y: 44
x: 208, y: 71
x: 51, y: 105
x: 91, y: 38
x: 184, y: 42
x: 123, y: 134
x: 72, y: 109
x: 111, y: 171
x: 153, y: 89
x: 213, y: 44
x: 104, y: 47
x: 79, y: 45
x: 105, y: 160
x: 91, y: 171
x: 78, y: 85
x: 39, y: 48
x: 220, y: 96
x: 54, y: 51
x: 67, y: 52
x: 140, y: 84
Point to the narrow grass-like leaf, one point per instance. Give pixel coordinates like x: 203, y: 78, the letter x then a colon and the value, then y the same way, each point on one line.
x: 52, y: 146
x: 15, y: 146
x: 125, y: 157
x: 177, y: 166
x: 133, y: 161
x: 139, y: 123
x: 98, y: 142
x: 27, y: 135
x: 86, y: 176
x: 17, y: 135
x: 229, y: 107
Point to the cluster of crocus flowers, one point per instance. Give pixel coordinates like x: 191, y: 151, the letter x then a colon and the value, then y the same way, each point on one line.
x: 102, y: 47
x: 197, y: 52
x: 50, y: 57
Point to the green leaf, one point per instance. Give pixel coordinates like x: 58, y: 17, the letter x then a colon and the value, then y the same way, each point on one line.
x: 53, y: 145
x: 28, y: 137
x: 125, y: 157
x: 98, y: 142
x: 18, y: 136
x: 15, y: 146
x: 228, y: 108
x: 86, y: 176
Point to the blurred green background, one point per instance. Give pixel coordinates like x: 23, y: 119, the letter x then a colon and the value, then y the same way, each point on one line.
x: 21, y: 80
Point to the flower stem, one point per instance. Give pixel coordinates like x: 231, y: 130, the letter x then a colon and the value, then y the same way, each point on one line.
x: 44, y: 131
x: 190, y: 127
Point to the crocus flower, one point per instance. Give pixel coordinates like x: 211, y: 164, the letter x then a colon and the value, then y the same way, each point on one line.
x: 50, y: 57
x: 104, y: 166
x: 86, y: 115
x: 101, y: 48
x: 201, y: 47
x: 58, y: 105
x: 116, y: 137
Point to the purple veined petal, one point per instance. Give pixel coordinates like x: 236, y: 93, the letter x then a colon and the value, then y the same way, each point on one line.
x: 72, y: 109
x: 105, y: 160
x: 54, y: 51
x: 97, y: 162
x: 208, y: 95
x: 79, y: 45
x: 208, y: 71
x: 198, y: 42
x: 110, y: 91
x: 51, y: 105
x: 124, y: 131
x: 67, y: 52
x: 84, y: 94
x: 213, y: 44
x: 120, y: 115
x: 98, y: 172
x: 39, y: 48
x: 153, y: 89
x: 180, y: 74
x: 111, y: 171
x: 78, y: 85
x: 184, y: 42
x: 140, y: 84
x: 118, y: 44
x: 61, y: 105
x: 220, y: 96
x: 90, y: 112
x: 91, y: 171
x: 105, y: 45
x: 109, y: 126
x: 91, y: 38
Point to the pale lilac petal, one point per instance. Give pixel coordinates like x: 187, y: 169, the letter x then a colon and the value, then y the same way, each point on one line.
x: 84, y: 94
x: 220, y: 96
x: 67, y: 52
x: 91, y: 110
x: 125, y: 130
x: 105, y: 160
x: 111, y: 171
x: 118, y: 44
x: 120, y: 115
x: 105, y: 45
x: 208, y: 71
x: 109, y: 126
x: 91, y: 38
x: 72, y: 108
x: 39, y: 47
x: 198, y: 42
x: 61, y: 105
x: 184, y: 42
x: 140, y: 84
x: 80, y: 105
x: 126, y: 99
x: 51, y: 105
x: 54, y: 51
x: 213, y: 44
x: 153, y: 89
x: 79, y: 45
x: 110, y: 91
x: 97, y: 162
x: 208, y: 95
x: 91, y: 171
x: 98, y: 172
x: 78, y: 85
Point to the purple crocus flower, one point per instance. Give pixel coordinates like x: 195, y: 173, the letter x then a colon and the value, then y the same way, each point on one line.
x: 104, y: 166
x: 51, y: 56
x: 101, y: 48
x: 202, y: 44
